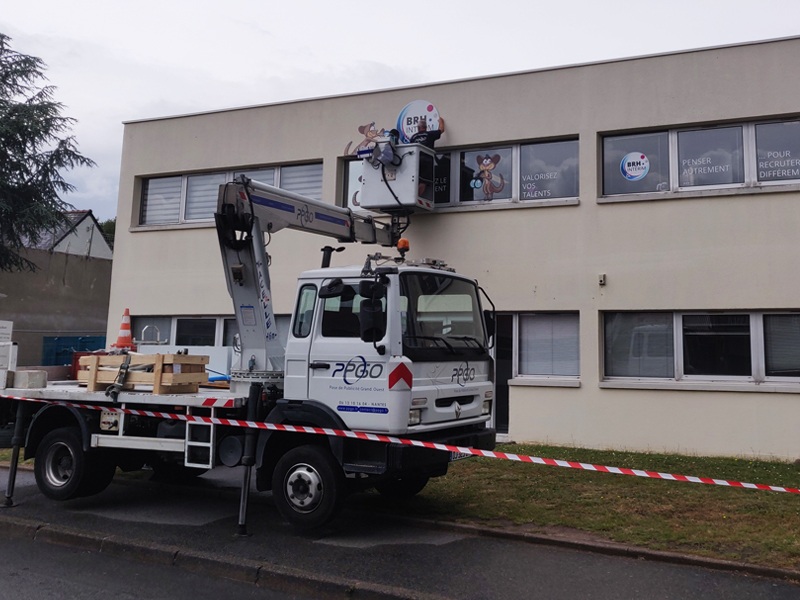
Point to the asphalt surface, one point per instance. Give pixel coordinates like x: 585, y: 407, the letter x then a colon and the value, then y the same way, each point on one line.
x: 31, y: 570
x: 364, y: 554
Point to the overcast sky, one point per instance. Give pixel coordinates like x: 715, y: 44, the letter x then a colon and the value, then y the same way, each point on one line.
x: 113, y: 61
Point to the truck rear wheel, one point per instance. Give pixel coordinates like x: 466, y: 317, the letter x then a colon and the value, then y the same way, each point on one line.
x: 308, y: 486
x: 402, y: 488
x: 60, y: 464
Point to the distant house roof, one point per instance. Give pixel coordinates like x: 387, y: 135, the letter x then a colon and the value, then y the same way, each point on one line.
x: 50, y: 239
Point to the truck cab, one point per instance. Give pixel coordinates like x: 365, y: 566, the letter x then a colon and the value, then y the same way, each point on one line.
x: 399, y: 350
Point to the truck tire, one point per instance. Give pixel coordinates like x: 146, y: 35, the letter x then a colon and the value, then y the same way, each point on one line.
x: 60, y: 465
x: 308, y: 486
x: 402, y: 488
x: 98, y: 473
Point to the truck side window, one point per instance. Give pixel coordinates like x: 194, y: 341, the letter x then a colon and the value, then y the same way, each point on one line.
x: 340, y: 315
x: 304, y: 313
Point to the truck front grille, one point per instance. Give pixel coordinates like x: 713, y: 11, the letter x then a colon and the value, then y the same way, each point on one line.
x: 462, y: 400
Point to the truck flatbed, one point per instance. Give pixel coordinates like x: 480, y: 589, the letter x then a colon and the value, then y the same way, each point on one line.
x: 70, y: 391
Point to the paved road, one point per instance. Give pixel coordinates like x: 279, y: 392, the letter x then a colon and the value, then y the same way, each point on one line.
x: 33, y: 570
x: 397, y: 558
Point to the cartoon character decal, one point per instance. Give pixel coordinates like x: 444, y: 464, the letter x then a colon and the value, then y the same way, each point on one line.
x: 483, y: 176
x: 370, y: 135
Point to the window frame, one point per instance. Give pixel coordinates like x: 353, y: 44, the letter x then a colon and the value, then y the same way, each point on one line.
x: 514, y: 201
x: 518, y: 346
x: 228, y: 176
x: 521, y: 379
x: 750, y: 185
x: 758, y: 380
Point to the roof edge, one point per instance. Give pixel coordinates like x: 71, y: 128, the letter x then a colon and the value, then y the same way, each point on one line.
x: 466, y: 79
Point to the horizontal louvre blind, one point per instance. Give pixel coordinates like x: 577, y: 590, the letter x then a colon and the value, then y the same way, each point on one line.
x: 261, y: 175
x: 782, y: 341
x: 548, y: 344
x: 202, y: 192
x: 303, y: 179
x: 161, y: 201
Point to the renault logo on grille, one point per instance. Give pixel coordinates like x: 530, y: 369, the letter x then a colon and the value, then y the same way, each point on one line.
x: 458, y: 410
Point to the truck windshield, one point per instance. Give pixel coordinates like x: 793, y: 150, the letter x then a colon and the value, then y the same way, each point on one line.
x: 441, y: 317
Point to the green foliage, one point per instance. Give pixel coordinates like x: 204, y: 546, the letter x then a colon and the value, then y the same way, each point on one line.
x: 35, y: 146
x: 109, y: 228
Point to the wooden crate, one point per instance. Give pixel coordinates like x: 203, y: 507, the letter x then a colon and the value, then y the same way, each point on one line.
x: 164, y: 373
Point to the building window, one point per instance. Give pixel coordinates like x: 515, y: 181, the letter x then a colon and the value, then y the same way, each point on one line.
x: 549, y: 344
x: 634, y: 164
x: 778, y: 149
x: 639, y: 345
x: 710, y: 157
x: 195, y: 332
x: 161, y: 200
x: 351, y: 194
x: 716, y: 345
x: 261, y: 175
x: 782, y: 345
x: 441, y: 173
x: 305, y: 180
x: 548, y: 170
x: 489, y: 171
x: 752, y: 346
x: 191, y: 198
x: 202, y: 192
x: 734, y: 156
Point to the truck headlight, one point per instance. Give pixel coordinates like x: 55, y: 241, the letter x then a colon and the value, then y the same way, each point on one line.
x: 487, y: 407
x: 414, y: 416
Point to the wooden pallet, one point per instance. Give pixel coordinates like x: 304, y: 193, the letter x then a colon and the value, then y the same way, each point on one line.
x: 164, y: 373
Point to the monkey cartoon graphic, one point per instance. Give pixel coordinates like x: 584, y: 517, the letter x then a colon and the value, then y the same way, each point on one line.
x: 370, y: 134
x: 483, y: 177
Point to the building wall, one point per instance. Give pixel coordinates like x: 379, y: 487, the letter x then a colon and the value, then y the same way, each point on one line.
x: 67, y: 296
x: 698, y: 250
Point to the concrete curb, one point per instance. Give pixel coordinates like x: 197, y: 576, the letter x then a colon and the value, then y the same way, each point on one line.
x: 615, y: 549
x: 269, y: 576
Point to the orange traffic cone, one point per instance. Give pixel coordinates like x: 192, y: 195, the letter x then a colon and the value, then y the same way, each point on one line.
x: 125, y: 340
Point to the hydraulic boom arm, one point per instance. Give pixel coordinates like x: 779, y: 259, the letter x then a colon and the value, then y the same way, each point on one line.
x: 246, y: 210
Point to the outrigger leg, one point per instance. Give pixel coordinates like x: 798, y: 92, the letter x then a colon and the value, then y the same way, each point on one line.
x: 249, y: 456
x: 16, y: 442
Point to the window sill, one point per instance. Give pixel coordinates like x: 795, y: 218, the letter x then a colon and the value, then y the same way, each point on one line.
x: 168, y: 226
x: 544, y: 382
x: 747, y: 190
x: 703, y: 386
x: 504, y: 205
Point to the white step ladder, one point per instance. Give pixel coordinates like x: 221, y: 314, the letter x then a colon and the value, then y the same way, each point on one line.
x: 200, y: 439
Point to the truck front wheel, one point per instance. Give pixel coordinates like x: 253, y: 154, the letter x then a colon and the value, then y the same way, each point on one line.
x: 60, y: 464
x: 308, y: 486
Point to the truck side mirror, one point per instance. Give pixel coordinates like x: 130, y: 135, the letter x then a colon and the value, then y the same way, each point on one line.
x: 488, y: 317
x: 372, y: 319
x: 371, y: 289
x: 333, y: 289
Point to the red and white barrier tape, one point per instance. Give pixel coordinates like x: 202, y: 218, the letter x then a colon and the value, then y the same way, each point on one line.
x: 375, y: 437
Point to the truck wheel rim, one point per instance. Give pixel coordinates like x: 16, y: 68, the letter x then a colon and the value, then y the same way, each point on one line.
x: 304, y: 488
x: 59, y: 465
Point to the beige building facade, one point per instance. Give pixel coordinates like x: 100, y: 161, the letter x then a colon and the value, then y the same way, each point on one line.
x: 635, y: 223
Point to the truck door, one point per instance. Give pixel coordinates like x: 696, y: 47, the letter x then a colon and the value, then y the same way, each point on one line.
x: 345, y: 373
x: 298, y: 346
